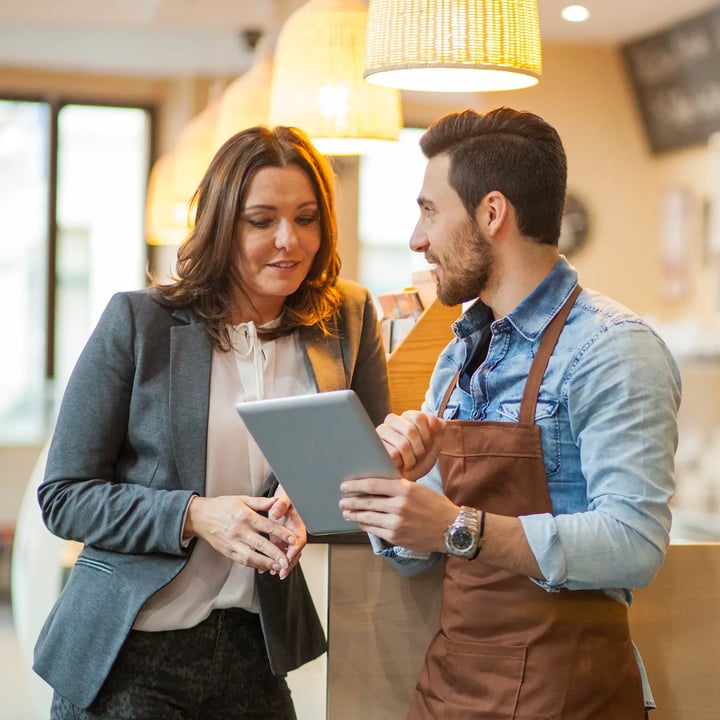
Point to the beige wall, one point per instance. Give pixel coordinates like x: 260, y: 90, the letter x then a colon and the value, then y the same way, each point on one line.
x: 16, y: 463
x: 585, y: 94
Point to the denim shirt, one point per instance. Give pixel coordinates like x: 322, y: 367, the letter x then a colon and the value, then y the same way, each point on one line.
x: 607, y: 411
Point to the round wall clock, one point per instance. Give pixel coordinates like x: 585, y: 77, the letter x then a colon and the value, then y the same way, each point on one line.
x: 575, y: 226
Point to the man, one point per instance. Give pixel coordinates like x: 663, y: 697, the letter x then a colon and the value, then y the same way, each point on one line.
x: 550, y: 427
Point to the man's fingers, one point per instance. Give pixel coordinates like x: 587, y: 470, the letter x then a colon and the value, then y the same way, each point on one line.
x: 411, y: 437
x: 371, y: 486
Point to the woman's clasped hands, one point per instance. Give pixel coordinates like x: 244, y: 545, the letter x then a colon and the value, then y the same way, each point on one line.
x: 264, y: 533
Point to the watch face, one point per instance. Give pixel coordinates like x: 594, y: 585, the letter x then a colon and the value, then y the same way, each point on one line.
x: 461, y: 539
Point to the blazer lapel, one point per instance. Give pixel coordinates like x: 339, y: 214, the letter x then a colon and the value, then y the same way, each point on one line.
x: 326, y: 360
x: 190, y: 364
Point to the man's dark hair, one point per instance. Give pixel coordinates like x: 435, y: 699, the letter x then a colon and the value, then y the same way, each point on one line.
x: 516, y: 153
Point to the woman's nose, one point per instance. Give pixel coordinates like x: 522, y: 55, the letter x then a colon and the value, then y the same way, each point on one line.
x: 286, y: 236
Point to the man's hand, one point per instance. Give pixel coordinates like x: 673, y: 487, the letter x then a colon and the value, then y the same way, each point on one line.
x: 400, y: 512
x: 413, y: 441
x: 234, y: 526
x: 415, y: 517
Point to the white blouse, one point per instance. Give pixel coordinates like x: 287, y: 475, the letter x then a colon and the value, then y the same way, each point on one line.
x: 254, y: 369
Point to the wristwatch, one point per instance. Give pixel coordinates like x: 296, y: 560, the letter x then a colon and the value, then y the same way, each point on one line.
x: 463, y: 537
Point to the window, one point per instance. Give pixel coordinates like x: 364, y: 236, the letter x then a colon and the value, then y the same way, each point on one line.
x: 389, y: 183
x: 23, y: 265
x: 72, y: 188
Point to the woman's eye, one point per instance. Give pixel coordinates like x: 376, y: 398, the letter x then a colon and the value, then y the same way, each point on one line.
x: 259, y: 222
x: 307, y: 219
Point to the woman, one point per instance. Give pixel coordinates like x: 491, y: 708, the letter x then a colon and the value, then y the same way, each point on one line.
x: 186, y: 600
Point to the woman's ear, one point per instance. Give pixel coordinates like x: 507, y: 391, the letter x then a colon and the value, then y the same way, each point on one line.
x: 492, y: 212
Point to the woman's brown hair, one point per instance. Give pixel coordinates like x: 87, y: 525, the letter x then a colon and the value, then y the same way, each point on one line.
x: 206, y: 270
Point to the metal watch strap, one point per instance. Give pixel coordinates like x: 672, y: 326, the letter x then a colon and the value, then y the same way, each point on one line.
x: 481, y: 533
x: 469, y: 515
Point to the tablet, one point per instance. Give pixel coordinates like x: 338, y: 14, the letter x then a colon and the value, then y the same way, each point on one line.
x: 313, y: 443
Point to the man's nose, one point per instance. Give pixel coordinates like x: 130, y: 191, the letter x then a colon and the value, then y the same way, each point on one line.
x: 418, y: 239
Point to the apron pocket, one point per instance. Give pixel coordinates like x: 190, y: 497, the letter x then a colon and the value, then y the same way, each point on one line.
x: 482, y: 681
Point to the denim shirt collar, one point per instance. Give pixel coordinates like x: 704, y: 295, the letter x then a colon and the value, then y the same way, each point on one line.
x: 533, y: 314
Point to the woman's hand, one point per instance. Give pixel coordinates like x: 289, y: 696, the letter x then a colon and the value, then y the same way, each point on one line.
x: 413, y: 441
x: 284, y: 512
x: 233, y: 525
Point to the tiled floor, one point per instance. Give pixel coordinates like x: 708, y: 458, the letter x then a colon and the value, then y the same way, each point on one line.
x: 15, y: 694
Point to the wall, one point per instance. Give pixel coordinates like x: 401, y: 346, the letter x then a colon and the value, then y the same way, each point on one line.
x: 585, y: 94
x: 17, y: 462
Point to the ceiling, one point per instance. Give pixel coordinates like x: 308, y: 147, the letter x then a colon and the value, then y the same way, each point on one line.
x: 205, y: 37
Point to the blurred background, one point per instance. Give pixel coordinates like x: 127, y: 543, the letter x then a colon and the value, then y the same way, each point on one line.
x: 110, y: 111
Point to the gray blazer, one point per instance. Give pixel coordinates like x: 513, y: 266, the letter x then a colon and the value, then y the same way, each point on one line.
x: 127, y: 454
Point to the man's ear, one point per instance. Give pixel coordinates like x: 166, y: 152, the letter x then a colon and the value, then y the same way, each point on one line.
x: 492, y: 212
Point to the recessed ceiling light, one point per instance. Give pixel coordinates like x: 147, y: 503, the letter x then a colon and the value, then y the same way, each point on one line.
x: 575, y: 13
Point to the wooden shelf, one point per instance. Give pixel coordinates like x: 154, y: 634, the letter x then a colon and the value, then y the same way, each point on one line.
x: 675, y: 625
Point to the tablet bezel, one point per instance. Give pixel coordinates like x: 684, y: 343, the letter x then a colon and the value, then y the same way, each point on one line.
x: 314, y: 442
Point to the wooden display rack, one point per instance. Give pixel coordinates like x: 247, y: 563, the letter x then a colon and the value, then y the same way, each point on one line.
x: 412, y: 362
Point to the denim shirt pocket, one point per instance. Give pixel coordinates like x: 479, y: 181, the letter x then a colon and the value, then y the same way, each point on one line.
x: 451, y: 411
x: 547, y: 416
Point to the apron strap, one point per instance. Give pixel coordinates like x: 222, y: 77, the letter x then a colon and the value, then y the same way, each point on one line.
x: 540, y: 363
x: 448, y: 393
x: 537, y: 370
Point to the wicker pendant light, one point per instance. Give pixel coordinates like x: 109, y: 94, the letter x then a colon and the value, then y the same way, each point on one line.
x: 453, y: 45
x: 318, y: 84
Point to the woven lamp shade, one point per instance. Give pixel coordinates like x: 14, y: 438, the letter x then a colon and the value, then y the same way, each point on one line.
x: 194, y: 151
x: 192, y: 155
x: 162, y: 224
x: 245, y: 102
x: 318, y: 84
x: 453, y: 45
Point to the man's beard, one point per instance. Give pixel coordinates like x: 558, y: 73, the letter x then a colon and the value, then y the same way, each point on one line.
x: 466, y: 269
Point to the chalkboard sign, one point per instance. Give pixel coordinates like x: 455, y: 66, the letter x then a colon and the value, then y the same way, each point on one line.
x: 676, y: 77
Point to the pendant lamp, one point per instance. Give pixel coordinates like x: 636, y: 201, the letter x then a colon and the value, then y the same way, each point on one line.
x: 192, y: 155
x: 162, y: 224
x: 318, y: 84
x: 453, y: 45
x: 245, y: 102
x: 195, y: 149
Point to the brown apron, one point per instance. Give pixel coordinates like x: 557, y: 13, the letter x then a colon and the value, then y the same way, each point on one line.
x: 507, y: 649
